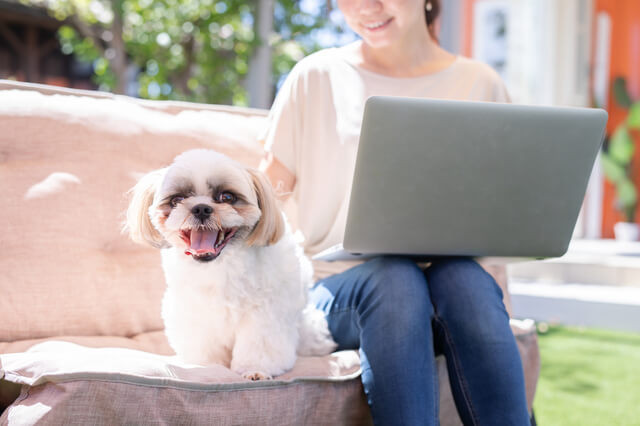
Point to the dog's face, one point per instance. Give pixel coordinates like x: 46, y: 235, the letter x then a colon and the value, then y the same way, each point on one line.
x: 203, y: 203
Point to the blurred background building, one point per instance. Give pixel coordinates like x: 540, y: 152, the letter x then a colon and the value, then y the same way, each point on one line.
x: 30, y: 51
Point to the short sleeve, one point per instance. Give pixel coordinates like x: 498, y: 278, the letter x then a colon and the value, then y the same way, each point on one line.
x: 500, y: 92
x: 493, y: 86
x: 282, y: 133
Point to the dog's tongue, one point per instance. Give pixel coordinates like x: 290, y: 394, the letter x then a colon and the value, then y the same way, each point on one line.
x: 203, y: 240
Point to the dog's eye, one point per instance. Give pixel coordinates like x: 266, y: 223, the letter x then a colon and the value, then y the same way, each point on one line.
x: 175, y: 200
x: 225, y: 197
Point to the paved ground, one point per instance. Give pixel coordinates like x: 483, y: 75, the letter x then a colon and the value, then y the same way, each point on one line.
x: 596, y: 284
x: 578, y: 304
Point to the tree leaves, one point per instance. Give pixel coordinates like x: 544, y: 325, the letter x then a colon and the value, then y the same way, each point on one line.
x: 612, y: 170
x: 633, y: 120
x: 626, y: 193
x: 195, y: 50
x: 621, y: 146
x: 620, y: 93
x: 616, y: 161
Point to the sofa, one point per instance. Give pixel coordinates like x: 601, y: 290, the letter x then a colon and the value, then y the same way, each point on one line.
x: 81, y: 336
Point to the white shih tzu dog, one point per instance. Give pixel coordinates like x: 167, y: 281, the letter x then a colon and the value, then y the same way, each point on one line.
x: 237, y: 282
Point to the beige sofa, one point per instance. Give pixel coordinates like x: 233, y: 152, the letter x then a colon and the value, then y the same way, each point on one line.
x: 67, y: 159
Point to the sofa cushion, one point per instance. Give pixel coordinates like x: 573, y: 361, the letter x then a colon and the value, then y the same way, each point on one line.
x: 151, y: 341
x: 66, y: 163
x: 63, y: 383
x: 69, y: 384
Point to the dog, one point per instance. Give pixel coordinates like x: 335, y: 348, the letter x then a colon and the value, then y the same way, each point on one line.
x: 237, y: 282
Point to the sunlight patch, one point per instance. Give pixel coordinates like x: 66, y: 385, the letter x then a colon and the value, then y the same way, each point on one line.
x: 121, y: 115
x: 27, y: 414
x: 53, y: 184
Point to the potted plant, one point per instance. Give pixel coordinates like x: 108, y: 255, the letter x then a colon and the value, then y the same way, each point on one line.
x: 617, y: 162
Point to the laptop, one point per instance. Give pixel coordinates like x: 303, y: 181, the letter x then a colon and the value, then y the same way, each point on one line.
x: 451, y: 178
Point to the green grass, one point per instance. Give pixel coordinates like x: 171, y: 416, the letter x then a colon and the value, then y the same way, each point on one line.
x: 588, y: 377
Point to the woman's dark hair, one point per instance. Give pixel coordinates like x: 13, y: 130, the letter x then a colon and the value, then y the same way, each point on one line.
x: 431, y: 16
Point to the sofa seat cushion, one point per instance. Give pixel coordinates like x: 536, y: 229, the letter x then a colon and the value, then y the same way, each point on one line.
x: 65, y: 383
x: 151, y: 341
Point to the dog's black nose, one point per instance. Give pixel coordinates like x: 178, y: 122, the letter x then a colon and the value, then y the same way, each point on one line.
x: 202, y: 211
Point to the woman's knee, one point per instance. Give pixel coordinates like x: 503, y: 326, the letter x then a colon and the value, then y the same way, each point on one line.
x: 462, y: 277
x: 397, y: 275
x: 462, y: 291
x: 396, y: 283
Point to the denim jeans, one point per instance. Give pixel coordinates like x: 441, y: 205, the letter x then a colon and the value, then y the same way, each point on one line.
x: 401, y: 317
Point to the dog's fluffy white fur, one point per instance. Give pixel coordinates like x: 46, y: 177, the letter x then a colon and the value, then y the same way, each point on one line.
x: 237, y: 282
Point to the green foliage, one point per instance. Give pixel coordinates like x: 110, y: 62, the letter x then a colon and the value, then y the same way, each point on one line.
x: 196, y: 50
x: 621, y: 146
x: 86, y: 51
x: 616, y: 160
x: 633, y: 121
x: 620, y: 92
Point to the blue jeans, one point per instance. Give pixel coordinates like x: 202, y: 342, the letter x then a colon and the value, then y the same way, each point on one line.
x: 400, y: 317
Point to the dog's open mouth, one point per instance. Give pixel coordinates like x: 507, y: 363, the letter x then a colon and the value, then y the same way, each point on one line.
x: 206, y: 244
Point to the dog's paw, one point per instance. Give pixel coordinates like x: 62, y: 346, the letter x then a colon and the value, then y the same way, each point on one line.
x: 256, y: 375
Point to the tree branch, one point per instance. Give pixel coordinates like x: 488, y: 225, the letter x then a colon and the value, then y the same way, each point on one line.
x: 47, y: 47
x: 119, y: 63
x: 87, y: 31
x: 182, y: 78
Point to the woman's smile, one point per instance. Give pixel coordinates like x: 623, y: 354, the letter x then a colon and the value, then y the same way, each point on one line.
x: 374, y: 26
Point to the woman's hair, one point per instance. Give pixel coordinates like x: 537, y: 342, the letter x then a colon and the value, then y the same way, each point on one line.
x: 431, y: 16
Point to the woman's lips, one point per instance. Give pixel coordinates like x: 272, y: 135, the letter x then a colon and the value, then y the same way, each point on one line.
x: 377, y: 25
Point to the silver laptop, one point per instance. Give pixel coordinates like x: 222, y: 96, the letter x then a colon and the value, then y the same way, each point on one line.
x: 451, y: 178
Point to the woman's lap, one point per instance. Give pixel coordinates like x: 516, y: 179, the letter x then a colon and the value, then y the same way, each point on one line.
x: 396, y: 314
x: 374, y: 318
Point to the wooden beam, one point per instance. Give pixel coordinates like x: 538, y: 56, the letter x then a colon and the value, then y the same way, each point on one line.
x: 15, y: 43
x: 19, y: 14
x: 32, y: 71
x: 49, y: 46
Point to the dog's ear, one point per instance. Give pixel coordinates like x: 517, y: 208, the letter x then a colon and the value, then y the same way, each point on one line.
x: 270, y: 227
x: 138, y: 223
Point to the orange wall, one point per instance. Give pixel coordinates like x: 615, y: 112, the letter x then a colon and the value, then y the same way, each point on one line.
x: 467, y: 19
x: 625, y: 62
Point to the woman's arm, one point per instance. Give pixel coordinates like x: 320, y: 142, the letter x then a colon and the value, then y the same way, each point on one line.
x: 282, y: 180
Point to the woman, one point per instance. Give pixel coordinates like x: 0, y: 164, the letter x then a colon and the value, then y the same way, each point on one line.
x: 390, y: 309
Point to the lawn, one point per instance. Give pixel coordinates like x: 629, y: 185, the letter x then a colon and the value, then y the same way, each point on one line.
x: 588, y: 377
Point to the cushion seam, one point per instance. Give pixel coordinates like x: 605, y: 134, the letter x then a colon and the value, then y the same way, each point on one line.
x: 207, y: 387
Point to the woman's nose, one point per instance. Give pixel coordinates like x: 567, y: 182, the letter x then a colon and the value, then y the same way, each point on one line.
x: 370, y: 6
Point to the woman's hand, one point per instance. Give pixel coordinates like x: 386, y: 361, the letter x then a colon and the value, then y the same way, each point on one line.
x: 282, y: 180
